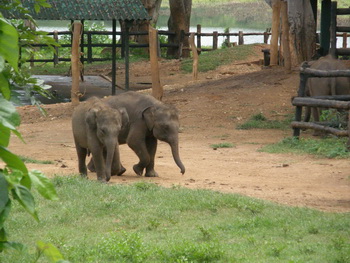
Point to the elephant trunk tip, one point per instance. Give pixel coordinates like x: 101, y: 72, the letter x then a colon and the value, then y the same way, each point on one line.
x: 183, y: 170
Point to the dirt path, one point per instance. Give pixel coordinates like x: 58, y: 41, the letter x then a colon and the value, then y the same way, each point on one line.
x: 210, y: 109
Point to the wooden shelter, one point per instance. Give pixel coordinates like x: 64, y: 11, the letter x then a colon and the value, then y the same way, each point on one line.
x: 126, y: 11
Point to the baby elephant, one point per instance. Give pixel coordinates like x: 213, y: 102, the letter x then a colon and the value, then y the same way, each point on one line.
x: 96, y: 128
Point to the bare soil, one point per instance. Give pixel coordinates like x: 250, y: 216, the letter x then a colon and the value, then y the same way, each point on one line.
x: 210, y: 110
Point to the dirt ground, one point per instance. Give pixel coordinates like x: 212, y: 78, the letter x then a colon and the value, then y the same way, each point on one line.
x: 210, y: 109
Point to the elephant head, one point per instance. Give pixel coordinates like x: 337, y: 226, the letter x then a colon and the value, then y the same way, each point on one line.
x: 106, y: 123
x: 163, y: 121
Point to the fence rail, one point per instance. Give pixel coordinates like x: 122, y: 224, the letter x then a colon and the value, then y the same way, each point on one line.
x: 88, y: 57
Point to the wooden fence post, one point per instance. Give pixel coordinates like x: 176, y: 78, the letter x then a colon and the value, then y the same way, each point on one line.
x: 345, y: 37
x: 215, y: 40
x: 157, y: 89
x: 75, y: 93
x: 89, y: 47
x: 195, y: 57
x: 276, y: 10
x: 240, y: 38
x: 266, y: 37
x: 55, y: 55
x: 199, y: 42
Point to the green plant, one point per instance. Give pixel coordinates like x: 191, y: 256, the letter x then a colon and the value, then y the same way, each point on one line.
x: 259, y: 121
x: 327, y: 147
x: 16, y: 182
x: 30, y: 160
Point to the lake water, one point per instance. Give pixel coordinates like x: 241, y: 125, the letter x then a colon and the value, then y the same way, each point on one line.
x: 50, y: 26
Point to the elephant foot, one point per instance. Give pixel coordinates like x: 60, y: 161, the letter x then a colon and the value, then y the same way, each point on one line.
x: 122, y: 170
x: 151, y: 174
x: 91, y: 166
x: 138, y: 170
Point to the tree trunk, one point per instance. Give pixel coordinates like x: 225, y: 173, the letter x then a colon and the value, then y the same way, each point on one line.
x: 302, y: 31
x: 180, y: 16
x: 276, y: 9
x: 152, y: 7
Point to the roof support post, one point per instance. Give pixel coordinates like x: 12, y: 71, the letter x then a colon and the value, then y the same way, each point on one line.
x: 325, y: 27
x: 126, y: 57
x: 114, y: 55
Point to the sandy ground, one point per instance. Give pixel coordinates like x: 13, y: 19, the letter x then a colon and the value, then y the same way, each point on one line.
x: 210, y: 109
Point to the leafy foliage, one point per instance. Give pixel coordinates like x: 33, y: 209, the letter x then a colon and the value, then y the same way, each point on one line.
x: 16, y: 182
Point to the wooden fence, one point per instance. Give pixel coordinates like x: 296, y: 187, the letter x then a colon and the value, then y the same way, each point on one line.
x: 87, y: 47
x: 337, y: 102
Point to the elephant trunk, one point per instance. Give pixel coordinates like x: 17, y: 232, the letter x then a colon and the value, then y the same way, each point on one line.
x: 176, y: 156
x: 111, y: 150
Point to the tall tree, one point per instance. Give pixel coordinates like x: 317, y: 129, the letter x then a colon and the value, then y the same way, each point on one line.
x: 302, y: 29
x: 179, y: 20
x: 152, y: 7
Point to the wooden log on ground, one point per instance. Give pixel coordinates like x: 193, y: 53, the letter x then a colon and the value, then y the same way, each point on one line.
x: 314, y: 126
x: 311, y: 102
x: 157, y: 89
x: 75, y: 59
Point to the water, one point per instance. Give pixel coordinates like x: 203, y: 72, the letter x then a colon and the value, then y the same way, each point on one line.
x: 50, y: 26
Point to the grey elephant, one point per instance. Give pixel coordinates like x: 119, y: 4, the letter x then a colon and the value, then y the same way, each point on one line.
x: 326, y: 86
x: 96, y: 128
x: 150, y: 120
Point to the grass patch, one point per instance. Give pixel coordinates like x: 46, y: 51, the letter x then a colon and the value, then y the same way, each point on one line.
x: 222, y: 145
x: 213, y: 59
x: 259, y: 121
x: 327, y: 147
x: 30, y: 160
x: 94, y: 222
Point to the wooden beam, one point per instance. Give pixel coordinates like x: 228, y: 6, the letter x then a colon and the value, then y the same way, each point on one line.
x: 194, y: 56
x: 157, y: 89
x: 276, y: 10
x: 75, y: 92
x: 311, y: 102
x: 314, y: 126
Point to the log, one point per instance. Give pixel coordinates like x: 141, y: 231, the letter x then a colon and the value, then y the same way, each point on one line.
x: 157, y: 89
x: 334, y: 97
x: 325, y: 73
x: 314, y: 126
x: 194, y: 56
x: 311, y: 102
x: 75, y: 59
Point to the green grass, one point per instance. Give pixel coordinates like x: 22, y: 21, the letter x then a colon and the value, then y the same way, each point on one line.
x: 259, y: 121
x: 94, y: 222
x: 326, y: 147
x: 211, y: 60
x: 222, y: 145
x: 30, y: 160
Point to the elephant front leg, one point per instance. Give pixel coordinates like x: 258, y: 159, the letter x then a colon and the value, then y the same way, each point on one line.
x: 151, y: 143
x: 81, y: 152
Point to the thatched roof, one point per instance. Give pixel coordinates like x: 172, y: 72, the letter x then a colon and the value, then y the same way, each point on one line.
x: 85, y: 9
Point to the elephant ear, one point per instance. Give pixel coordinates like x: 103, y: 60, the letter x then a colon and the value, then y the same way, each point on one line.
x: 90, y: 117
x: 125, y: 116
x: 148, y: 116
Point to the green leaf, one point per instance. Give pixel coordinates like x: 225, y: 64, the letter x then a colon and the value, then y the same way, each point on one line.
x: 53, y: 254
x: 3, y: 235
x: 5, y: 213
x: 4, y: 87
x: 9, y: 117
x: 4, y: 193
x: 7, y: 245
x: 12, y: 160
x: 9, y: 43
x: 26, y: 199
x: 43, y: 185
x: 5, y: 135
